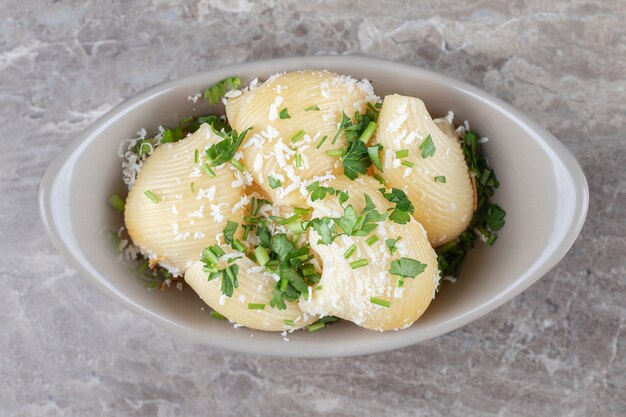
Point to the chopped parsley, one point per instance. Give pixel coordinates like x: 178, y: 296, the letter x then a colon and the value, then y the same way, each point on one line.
x: 284, y: 114
x: 441, y: 179
x: 229, y: 231
x: 215, y: 92
x: 117, y: 203
x: 391, y: 244
x: 274, y: 183
x: 312, y: 108
x: 488, y: 217
x: 225, y: 150
x: 210, y: 258
x: 406, y: 267
x: 403, y: 209
x: 427, y: 147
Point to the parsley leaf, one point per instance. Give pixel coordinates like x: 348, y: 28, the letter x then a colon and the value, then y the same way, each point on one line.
x: 404, y: 207
x: 356, y: 161
x: 274, y: 183
x: 322, y: 225
x: 407, y: 267
x: 284, y: 114
x: 374, y: 154
x: 348, y: 221
x: 224, y: 150
x: 427, y: 147
x: 495, y: 217
x: 319, y: 192
x: 229, y: 231
x: 391, y: 244
x: 215, y: 92
x: 312, y: 108
x: 281, y: 246
x: 441, y: 179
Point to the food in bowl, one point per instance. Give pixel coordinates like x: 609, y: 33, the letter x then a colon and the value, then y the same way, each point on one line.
x: 311, y: 200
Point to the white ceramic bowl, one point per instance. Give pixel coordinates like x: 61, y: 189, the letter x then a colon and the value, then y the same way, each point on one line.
x: 542, y: 189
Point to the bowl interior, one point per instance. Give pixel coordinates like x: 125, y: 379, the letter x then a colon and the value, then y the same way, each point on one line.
x: 541, y: 189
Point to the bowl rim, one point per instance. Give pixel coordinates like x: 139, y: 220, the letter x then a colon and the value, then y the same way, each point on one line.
x: 73, y: 149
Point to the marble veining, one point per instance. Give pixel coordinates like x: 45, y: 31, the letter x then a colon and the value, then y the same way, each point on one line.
x: 556, y: 350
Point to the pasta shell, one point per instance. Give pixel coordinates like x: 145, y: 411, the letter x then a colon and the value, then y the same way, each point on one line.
x: 444, y: 209
x: 315, y: 102
x: 255, y: 287
x: 176, y: 229
x: 348, y: 292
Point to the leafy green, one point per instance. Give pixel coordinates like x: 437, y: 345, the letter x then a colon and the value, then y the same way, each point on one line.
x: 312, y: 108
x: 406, y: 267
x: 284, y: 114
x: 224, y: 150
x: 488, y: 217
x: 229, y: 231
x: 215, y: 92
x: 404, y: 208
x: 319, y: 192
x: 274, y: 183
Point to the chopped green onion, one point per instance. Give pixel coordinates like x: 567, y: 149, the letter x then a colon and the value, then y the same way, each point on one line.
x: 207, y: 170
x: 321, y: 142
x: 308, y: 270
x: 196, y: 156
x: 334, y: 152
x: 403, y: 153
x: 368, y: 132
x: 252, y: 220
x: 238, y: 245
x: 318, y: 325
x: 484, y: 177
x: 256, y: 306
x: 380, y: 302
x: 302, y: 211
x: 440, y: 179
x: 312, y: 108
x: 380, y: 179
x: 237, y: 165
x: 348, y: 253
x: 261, y: 255
x: 117, y: 203
x: 358, y: 264
x: 289, y: 322
x: 283, y: 284
x: 289, y: 219
x: 193, y: 187
x: 284, y: 114
x: 427, y: 147
x: 216, y: 315
x: 298, y: 160
x: 297, y: 136
x: 151, y: 196
x: 371, y: 240
x: 408, y: 164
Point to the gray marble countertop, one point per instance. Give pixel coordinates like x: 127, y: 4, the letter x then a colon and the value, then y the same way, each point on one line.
x: 556, y: 350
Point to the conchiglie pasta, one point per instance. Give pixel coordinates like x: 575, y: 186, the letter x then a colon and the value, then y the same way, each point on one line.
x: 290, y: 114
x: 175, y: 229
x: 348, y: 293
x: 255, y: 287
x: 443, y: 207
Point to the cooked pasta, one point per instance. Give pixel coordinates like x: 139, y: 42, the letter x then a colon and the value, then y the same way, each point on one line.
x: 428, y: 165
x: 249, y: 305
x: 370, y: 295
x: 311, y: 201
x: 174, y: 210
x: 290, y: 114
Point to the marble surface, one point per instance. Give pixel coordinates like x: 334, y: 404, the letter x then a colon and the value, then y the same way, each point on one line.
x: 556, y: 350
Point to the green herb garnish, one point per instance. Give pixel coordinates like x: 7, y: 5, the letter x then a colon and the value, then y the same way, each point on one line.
x: 284, y: 114
x: 312, y: 108
x: 225, y: 150
x: 380, y: 302
x: 117, y: 203
x: 441, y: 179
x: 215, y: 92
x: 151, y: 196
x: 404, y: 208
x: 407, y: 267
x: 427, y: 147
x: 274, y: 183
